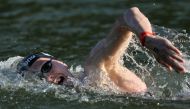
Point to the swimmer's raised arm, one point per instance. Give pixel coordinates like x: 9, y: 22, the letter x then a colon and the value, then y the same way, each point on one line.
x: 107, y: 53
x: 134, y: 21
x: 105, y: 57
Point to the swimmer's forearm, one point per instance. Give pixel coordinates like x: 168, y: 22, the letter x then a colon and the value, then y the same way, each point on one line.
x: 162, y: 49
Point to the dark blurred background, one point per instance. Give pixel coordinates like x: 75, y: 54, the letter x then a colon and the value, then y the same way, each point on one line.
x: 68, y: 29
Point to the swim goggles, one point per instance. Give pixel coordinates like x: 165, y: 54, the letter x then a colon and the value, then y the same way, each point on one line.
x: 27, y: 62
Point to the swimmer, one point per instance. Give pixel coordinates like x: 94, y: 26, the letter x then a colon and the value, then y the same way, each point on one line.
x: 106, y: 54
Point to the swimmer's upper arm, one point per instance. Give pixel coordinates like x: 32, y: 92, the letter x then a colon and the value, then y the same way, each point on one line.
x: 111, y: 47
x: 114, y: 45
x: 106, y: 55
x: 125, y: 79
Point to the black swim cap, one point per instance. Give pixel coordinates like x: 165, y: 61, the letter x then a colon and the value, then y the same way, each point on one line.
x: 25, y: 63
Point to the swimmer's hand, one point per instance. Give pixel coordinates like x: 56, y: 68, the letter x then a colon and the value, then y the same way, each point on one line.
x: 165, y: 53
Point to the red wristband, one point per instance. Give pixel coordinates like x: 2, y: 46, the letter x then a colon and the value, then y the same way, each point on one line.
x: 143, y: 36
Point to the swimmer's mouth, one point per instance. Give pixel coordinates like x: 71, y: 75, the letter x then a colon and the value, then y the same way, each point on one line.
x: 61, y: 80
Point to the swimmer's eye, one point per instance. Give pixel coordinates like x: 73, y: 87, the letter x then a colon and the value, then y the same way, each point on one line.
x: 46, y: 67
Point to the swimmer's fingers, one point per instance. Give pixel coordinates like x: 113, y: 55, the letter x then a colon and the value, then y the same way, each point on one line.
x: 173, y: 48
x: 171, y: 61
x: 174, y: 59
x: 172, y: 56
x: 175, y: 56
x: 169, y: 46
x: 166, y: 65
x: 175, y: 64
x: 166, y: 53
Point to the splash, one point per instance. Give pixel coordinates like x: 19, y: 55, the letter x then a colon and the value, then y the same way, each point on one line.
x: 161, y: 83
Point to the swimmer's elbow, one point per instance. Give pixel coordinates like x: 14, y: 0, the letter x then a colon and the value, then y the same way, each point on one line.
x: 133, y: 11
x: 141, y: 88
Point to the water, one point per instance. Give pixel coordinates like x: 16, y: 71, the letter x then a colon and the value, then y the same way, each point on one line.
x: 68, y: 29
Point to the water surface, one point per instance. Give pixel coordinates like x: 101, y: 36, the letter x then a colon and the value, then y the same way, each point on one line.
x: 68, y: 29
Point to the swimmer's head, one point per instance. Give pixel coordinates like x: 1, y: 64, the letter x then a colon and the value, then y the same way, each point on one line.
x: 45, y: 66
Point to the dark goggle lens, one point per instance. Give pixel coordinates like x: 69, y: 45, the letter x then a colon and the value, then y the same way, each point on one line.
x: 46, y: 67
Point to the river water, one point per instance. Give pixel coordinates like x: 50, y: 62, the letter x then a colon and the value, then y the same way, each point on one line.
x: 68, y: 29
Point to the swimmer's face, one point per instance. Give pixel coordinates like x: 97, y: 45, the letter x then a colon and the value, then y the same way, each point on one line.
x: 53, y: 71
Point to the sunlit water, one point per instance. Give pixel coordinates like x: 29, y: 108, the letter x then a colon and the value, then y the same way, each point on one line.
x: 68, y: 30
